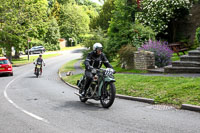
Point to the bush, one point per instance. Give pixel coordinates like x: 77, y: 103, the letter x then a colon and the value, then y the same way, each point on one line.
x: 126, y: 55
x: 1, y: 52
x: 51, y: 47
x: 197, y: 36
x: 47, y: 46
x: 161, y: 51
x: 96, y: 36
x: 142, y: 34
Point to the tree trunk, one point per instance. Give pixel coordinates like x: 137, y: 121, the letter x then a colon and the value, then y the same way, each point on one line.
x: 9, y: 53
x: 172, y: 31
x: 16, y: 54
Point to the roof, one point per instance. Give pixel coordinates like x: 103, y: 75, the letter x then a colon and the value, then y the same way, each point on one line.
x: 2, y: 58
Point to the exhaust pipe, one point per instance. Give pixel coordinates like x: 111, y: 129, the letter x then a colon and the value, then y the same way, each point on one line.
x: 77, y: 94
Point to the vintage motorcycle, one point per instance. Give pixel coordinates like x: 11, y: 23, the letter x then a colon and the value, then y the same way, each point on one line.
x: 38, y: 69
x: 101, y: 88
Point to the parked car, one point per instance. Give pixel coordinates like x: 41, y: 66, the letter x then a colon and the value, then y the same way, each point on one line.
x: 5, y: 66
x: 36, y: 50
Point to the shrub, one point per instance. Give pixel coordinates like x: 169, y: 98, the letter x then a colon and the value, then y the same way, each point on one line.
x: 197, y: 36
x: 1, y: 52
x: 96, y: 36
x: 161, y: 51
x: 142, y: 34
x: 126, y: 55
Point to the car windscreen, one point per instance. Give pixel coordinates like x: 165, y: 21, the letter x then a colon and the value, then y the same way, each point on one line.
x: 3, y: 61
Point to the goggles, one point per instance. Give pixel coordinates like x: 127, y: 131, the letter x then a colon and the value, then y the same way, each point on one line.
x: 99, y: 49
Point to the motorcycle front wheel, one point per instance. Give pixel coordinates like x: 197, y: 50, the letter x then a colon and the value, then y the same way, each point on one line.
x: 108, y: 95
x: 37, y: 72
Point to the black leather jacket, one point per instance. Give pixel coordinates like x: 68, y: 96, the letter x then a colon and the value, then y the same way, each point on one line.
x: 96, y: 61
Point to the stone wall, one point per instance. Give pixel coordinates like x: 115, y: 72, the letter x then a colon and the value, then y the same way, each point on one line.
x: 144, y: 60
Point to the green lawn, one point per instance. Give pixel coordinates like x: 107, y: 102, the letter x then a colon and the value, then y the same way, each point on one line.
x: 70, y: 48
x: 175, y: 57
x: 69, y: 66
x: 24, y: 60
x: 167, y: 90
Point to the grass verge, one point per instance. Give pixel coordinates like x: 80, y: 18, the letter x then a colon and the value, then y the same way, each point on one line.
x: 24, y: 60
x: 71, y: 48
x: 175, y: 57
x: 166, y: 90
x: 69, y: 66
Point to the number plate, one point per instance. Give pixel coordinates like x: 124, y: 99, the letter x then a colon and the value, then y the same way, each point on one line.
x: 2, y: 68
x: 38, y: 66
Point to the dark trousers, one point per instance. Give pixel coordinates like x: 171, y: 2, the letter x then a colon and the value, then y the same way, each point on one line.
x: 89, y: 77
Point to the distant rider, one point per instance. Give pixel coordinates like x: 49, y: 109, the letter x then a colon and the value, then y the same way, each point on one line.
x: 39, y: 61
x: 94, y: 59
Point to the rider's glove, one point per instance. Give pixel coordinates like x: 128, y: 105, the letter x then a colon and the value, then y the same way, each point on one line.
x: 109, y: 71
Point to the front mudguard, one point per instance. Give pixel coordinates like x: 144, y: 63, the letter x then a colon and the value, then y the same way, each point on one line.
x: 107, y: 80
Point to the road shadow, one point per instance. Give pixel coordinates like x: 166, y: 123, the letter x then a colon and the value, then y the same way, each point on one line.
x: 31, y: 76
x: 78, y: 51
x: 4, y: 75
x: 78, y: 105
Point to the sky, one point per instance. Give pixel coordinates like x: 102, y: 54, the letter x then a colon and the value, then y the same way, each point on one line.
x: 96, y: 1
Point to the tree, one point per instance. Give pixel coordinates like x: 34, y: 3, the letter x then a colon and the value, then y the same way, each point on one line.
x: 19, y: 18
x: 162, y: 15
x: 104, y: 16
x: 73, y: 21
x: 54, y: 9
x: 52, y: 35
x: 120, y: 30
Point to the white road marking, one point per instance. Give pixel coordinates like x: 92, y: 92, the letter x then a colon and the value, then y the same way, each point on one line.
x: 20, y: 108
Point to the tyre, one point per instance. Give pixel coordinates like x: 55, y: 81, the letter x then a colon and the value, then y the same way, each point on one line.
x: 82, y: 99
x: 108, y: 95
x: 11, y: 74
x: 81, y: 87
x: 37, y: 72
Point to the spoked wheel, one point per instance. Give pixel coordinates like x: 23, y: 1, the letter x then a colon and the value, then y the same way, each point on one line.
x: 108, y: 95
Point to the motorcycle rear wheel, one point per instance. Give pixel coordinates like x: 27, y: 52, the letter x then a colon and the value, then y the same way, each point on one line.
x: 108, y: 95
x: 82, y: 99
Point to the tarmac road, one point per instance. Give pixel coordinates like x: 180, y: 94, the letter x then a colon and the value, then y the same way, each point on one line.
x: 47, y: 105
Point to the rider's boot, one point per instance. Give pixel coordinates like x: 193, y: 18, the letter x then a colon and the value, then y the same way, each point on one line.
x: 83, y: 94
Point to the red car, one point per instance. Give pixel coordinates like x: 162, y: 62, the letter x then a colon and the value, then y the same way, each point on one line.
x: 5, y: 66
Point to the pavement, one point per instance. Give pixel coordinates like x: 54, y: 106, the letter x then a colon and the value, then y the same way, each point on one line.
x: 79, y: 70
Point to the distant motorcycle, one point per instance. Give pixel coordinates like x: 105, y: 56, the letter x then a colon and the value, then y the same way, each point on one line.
x: 101, y: 88
x: 38, y: 69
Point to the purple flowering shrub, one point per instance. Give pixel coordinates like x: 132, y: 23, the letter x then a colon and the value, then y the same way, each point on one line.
x: 161, y: 51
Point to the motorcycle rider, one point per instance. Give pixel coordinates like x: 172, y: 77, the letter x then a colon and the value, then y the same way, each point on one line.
x: 39, y: 61
x: 94, y: 59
